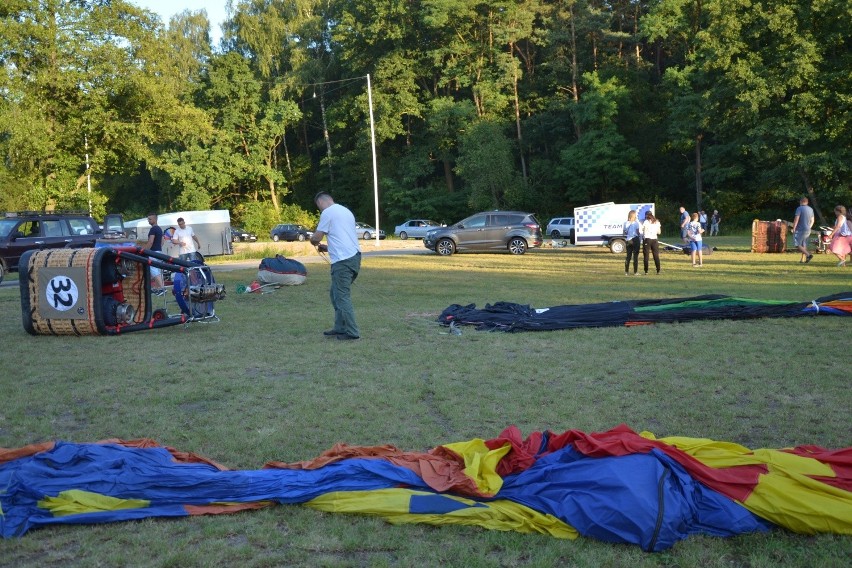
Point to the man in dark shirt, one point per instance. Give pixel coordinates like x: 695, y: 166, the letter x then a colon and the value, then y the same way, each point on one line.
x: 155, y: 243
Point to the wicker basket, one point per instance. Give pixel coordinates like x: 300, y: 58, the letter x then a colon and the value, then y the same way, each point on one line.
x: 768, y: 236
x: 63, y: 291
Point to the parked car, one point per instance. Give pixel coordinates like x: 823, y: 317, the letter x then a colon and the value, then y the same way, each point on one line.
x: 284, y: 232
x: 367, y: 232
x: 561, y: 228
x: 415, y: 228
x: 240, y: 235
x: 515, y: 231
x: 32, y: 230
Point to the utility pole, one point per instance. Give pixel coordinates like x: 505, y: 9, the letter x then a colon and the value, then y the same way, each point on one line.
x: 88, y: 174
x: 373, y: 146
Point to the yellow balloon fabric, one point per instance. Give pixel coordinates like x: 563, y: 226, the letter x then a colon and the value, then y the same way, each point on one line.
x: 788, y: 495
x: 74, y: 502
x: 480, y: 463
x: 394, y: 506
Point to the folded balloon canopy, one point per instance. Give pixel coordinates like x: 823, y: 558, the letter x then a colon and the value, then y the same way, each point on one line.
x: 511, y: 317
x: 616, y: 486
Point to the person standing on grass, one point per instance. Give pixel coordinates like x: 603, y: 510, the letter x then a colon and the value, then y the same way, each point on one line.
x: 184, y: 237
x: 802, y: 224
x: 841, y: 236
x: 632, y: 231
x: 155, y: 243
x: 338, y: 224
x: 684, y: 221
x: 651, y: 230
x: 702, y: 218
x: 715, y: 219
x: 693, y: 233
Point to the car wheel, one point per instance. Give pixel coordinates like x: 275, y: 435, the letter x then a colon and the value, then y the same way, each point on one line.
x: 517, y: 245
x: 403, y: 235
x: 235, y: 239
x: 2, y: 271
x: 275, y: 237
x: 367, y: 236
x: 617, y: 246
x: 554, y: 234
x: 445, y: 247
x: 301, y: 237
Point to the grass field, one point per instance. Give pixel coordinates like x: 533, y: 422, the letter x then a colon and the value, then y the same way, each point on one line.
x: 264, y: 384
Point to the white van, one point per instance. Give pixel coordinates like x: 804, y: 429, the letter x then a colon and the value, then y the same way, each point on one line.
x: 212, y: 227
x: 561, y: 228
x: 603, y: 224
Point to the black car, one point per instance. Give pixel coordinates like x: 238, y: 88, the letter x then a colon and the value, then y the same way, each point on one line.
x: 284, y: 232
x: 240, y: 235
x: 23, y: 231
x: 514, y: 231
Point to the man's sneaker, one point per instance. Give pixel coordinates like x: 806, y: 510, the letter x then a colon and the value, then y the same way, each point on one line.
x: 332, y: 332
x: 807, y: 260
x: 345, y: 337
x: 158, y: 292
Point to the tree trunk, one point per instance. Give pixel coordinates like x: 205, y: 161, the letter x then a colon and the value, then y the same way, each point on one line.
x: 809, y: 189
x: 575, y: 89
x: 636, y: 17
x: 699, y: 184
x: 273, y: 194
x: 518, y: 119
x: 448, y: 175
x: 326, y: 136
x: 287, y: 157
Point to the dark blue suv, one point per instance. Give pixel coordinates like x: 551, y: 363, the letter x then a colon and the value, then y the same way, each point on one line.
x: 23, y: 231
x: 285, y: 232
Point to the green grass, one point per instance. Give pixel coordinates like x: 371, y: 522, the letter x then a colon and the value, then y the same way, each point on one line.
x: 264, y: 384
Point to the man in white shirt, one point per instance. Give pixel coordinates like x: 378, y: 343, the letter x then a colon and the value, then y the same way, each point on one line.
x: 338, y: 224
x: 184, y: 237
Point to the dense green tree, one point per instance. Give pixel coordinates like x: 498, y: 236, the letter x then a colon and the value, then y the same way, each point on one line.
x: 536, y: 104
x: 485, y: 163
x: 764, y: 83
x: 239, y: 159
x: 93, y: 74
x: 599, y: 165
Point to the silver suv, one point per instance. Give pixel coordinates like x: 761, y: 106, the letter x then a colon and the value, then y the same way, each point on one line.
x: 514, y: 231
x: 22, y: 231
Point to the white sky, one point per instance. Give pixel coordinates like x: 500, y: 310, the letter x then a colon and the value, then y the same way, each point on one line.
x: 168, y: 8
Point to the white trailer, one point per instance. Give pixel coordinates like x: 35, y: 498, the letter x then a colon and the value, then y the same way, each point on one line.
x: 603, y: 224
x: 212, y: 227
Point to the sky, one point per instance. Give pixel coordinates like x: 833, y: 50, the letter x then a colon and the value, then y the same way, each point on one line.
x: 168, y: 8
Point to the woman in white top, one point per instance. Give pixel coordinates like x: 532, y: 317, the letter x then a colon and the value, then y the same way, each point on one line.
x: 651, y: 229
x: 841, y: 236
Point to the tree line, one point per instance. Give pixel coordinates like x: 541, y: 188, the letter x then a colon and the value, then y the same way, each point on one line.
x: 538, y: 105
